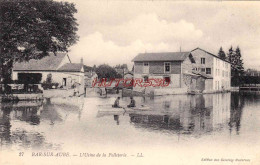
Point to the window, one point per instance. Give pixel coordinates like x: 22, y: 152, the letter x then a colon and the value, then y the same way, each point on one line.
x: 202, y: 69
x: 208, y: 70
x: 167, y: 67
x: 203, y: 60
x: 167, y: 79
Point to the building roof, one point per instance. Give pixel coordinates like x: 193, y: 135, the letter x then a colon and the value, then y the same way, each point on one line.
x: 89, y: 74
x: 50, y: 62
x: 210, y: 54
x: 71, y: 67
x: 164, y: 56
x: 130, y: 72
x: 87, y: 68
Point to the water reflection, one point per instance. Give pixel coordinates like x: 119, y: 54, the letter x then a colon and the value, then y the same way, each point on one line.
x: 237, y: 105
x: 5, y: 125
x: 17, y: 121
x: 38, y: 124
x: 49, y: 112
x: 186, y: 114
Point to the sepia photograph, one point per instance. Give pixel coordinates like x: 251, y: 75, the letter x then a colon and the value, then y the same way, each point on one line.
x: 134, y: 82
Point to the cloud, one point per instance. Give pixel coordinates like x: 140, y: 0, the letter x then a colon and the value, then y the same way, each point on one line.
x: 121, y: 43
x: 170, y: 25
x: 149, y: 28
x: 95, y: 50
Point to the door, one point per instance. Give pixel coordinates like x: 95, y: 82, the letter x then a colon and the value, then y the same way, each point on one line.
x: 64, y: 83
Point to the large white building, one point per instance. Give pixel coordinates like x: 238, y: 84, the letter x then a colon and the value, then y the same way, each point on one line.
x: 212, y: 65
x: 196, y: 70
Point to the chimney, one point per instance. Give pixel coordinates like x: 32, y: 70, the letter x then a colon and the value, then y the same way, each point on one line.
x: 180, y: 48
x: 81, y: 60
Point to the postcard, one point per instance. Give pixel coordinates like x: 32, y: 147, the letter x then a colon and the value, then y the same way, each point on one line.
x: 129, y: 82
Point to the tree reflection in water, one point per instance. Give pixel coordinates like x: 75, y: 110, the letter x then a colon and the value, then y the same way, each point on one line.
x: 28, y: 112
x: 237, y: 105
x: 5, y: 126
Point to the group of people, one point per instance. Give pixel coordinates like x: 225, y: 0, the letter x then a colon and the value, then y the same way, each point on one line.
x: 116, y: 104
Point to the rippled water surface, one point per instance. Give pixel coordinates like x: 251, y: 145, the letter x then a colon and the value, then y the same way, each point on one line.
x: 174, y: 121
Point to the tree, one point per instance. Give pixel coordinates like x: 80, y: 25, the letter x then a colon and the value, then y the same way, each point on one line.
x: 49, y: 78
x: 106, y: 71
x: 31, y: 29
x: 237, y: 68
x: 231, y: 55
x: 222, y: 54
x: 123, y: 66
x: 239, y: 61
x: 94, y: 68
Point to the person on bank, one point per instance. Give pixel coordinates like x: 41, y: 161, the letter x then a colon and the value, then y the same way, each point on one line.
x: 116, y: 104
x: 132, y: 102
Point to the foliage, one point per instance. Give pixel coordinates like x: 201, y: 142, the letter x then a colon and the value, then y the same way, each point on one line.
x: 123, y: 66
x: 237, y: 68
x: 106, y: 71
x: 49, y: 85
x: 94, y: 68
x: 231, y: 55
x: 87, y: 68
x: 49, y: 78
x: 222, y: 54
x: 238, y: 61
x: 30, y: 29
x: 251, y: 80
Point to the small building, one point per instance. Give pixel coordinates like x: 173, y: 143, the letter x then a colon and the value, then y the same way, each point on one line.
x: 197, y: 70
x: 58, y: 67
x: 252, y: 72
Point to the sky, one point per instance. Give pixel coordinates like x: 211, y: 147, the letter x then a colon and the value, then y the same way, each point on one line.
x: 114, y: 32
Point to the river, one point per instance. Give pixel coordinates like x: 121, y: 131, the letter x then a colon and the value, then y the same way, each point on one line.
x: 208, y: 124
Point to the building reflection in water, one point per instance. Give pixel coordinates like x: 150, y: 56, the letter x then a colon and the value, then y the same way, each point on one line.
x: 195, y: 115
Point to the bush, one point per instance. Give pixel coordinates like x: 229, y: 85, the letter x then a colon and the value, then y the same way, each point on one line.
x: 49, y: 85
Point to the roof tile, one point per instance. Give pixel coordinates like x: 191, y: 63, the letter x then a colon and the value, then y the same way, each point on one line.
x: 47, y: 63
x: 165, y: 56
